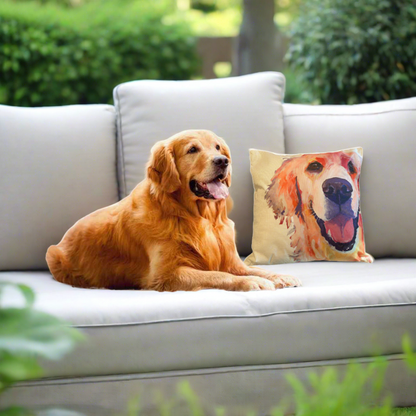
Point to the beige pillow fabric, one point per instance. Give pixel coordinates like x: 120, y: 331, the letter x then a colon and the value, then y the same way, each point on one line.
x: 386, y: 130
x: 307, y: 207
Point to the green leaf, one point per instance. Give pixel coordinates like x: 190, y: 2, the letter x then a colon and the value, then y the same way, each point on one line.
x: 409, y: 354
x: 220, y: 411
x: 16, y: 411
x: 184, y: 389
x: 26, y: 292
x: 358, y: 393
x: 17, y: 368
x: 164, y: 406
x: 133, y: 408
x: 27, y: 331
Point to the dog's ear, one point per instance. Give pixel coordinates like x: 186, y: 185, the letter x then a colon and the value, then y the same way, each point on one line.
x: 283, y: 194
x: 161, y: 168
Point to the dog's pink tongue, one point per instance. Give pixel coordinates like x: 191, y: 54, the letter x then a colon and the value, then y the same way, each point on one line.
x: 217, y: 189
x: 340, y: 229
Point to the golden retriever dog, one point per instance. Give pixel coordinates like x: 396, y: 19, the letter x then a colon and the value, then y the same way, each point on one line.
x: 317, y: 196
x: 171, y: 233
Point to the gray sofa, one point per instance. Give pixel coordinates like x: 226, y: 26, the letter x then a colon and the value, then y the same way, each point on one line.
x: 58, y: 164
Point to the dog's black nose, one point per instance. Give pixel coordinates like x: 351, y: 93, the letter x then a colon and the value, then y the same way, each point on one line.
x: 221, y: 161
x: 337, y: 190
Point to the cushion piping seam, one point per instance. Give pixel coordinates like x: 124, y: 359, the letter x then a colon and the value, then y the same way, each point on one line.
x: 200, y: 318
x: 123, y: 191
x: 360, y: 114
x: 206, y: 371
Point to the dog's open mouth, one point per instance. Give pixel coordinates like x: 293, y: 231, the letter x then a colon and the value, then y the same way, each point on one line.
x: 214, y: 189
x: 340, y: 231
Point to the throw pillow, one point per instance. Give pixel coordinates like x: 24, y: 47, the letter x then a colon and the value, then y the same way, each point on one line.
x: 307, y: 207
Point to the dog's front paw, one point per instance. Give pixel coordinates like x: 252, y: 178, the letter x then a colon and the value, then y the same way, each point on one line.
x: 249, y: 283
x: 367, y: 258
x: 284, y: 280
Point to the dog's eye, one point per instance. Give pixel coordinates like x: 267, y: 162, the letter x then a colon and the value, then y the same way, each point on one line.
x: 193, y: 149
x: 314, y: 167
x: 218, y: 147
x: 351, y: 167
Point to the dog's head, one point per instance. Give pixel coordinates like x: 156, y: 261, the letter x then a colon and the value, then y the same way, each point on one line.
x: 196, y: 162
x: 324, y: 186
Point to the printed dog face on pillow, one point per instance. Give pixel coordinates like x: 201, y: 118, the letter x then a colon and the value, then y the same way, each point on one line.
x: 317, y: 197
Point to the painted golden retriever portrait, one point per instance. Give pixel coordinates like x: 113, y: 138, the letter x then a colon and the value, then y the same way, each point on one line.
x: 317, y: 197
x: 171, y: 233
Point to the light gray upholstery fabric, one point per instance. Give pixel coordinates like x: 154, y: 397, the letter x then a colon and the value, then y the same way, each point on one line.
x: 238, y: 389
x: 246, y: 111
x: 57, y: 164
x: 387, y: 133
x: 342, y: 311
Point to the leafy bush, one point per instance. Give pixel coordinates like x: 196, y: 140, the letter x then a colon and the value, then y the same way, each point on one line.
x: 55, y: 58
x: 353, y: 51
x: 297, y: 91
x: 358, y: 393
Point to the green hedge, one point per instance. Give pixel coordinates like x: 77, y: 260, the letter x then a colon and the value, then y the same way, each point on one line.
x: 351, y: 51
x: 47, y: 62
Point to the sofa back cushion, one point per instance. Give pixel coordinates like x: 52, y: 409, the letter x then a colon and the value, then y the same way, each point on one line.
x: 387, y: 133
x: 57, y: 164
x: 246, y: 111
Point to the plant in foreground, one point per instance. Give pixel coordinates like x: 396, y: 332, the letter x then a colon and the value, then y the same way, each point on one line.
x: 358, y: 393
x: 26, y: 335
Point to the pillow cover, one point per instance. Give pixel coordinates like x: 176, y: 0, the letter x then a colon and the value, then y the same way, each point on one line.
x: 307, y: 207
x: 386, y: 130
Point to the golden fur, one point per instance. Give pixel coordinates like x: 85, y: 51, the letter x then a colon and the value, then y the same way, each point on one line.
x: 162, y: 236
x: 297, y: 198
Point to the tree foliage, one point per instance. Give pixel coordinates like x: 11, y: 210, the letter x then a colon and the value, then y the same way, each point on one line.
x: 354, y: 52
x: 49, y: 59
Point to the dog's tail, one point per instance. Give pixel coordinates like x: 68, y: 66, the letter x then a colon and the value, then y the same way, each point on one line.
x: 61, y: 268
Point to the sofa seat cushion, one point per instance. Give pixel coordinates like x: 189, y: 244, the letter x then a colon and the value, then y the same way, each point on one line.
x: 344, y: 310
